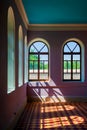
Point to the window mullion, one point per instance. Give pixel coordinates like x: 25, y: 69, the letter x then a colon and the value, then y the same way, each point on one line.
x: 71, y: 66
x: 38, y: 66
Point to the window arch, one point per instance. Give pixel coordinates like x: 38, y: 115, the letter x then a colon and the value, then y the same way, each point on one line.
x: 72, y: 61
x: 20, y: 56
x: 38, y: 61
x: 11, y: 51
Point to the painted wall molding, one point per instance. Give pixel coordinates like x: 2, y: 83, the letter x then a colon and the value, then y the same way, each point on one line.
x: 57, y: 27
x: 22, y: 12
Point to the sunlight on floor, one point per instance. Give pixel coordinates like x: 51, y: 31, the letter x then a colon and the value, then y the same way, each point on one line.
x: 77, y: 119
x: 60, y: 121
x: 56, y: 108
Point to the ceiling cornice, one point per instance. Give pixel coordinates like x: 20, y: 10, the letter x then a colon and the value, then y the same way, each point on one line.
x: 22, y: 12
x: 57, y: 27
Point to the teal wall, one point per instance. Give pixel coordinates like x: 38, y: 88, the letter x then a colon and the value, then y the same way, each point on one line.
x: 56, y: 11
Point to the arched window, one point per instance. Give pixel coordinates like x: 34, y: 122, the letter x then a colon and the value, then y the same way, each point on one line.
x: 72, y: 61
x: 25, y: 60
x: 20, y: 57
x: 38, y: 61
x: 11, y: 51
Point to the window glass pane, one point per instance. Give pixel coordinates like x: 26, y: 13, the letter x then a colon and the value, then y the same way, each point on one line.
x: 67, y: 76
x: 31, y: 66
x: 65, y: 65
x: 76, y: 57
x: 66, y: 49
x: 33, y: 49
x: 77, y: 49
x: 43, y: 76
x: 38, y: 45
x: 43, y: 63
x: 33, y: 76
x: 76, y: 76
x: 71, y: 45
x: 25, y: 61
x: 33, y: 63
x: 45, y: 49
x: 67, y: 57
x: 74, y: 66
x: 11, y: 52
x: 11, y: 66
x: 78, y: 65
x: 44, y: 57
x: 41, y: 66
x: 69, y: 70
x: 33, y: 57
x: 20, y: 60
x: 69, y: 64
x: 46, y: 66
x: 35, y: 66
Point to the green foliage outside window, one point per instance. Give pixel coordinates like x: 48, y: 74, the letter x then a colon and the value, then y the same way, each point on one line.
x: 34, y: 63
x: 76, y: 64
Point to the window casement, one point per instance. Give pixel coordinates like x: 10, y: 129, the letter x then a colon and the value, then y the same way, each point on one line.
x: 38, y: 61
x: 72, y: 61
x: 11, y: 51
x: 25, y: 60
x: 20, y: 56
